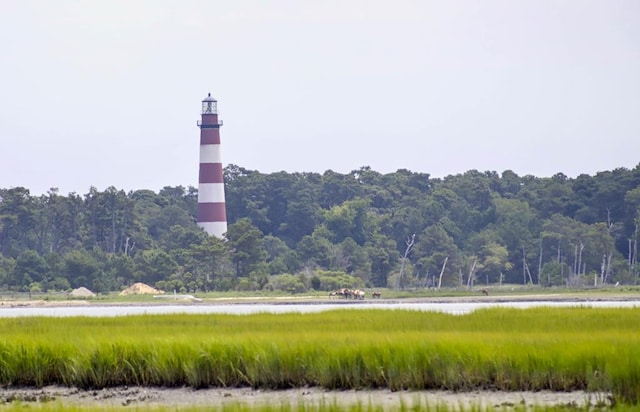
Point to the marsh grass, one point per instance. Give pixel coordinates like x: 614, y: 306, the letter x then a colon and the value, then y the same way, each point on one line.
x: 560, y: 349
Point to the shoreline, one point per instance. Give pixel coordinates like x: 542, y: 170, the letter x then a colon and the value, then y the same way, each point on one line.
x: 315, y: 300
x: 310, y: 397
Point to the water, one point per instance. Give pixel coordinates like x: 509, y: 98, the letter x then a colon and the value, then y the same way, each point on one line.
x: 245, y: 309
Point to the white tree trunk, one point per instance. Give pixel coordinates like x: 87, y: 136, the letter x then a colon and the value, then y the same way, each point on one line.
x: 540, y: 263
x: 444, y: 265
x: 471, y: 274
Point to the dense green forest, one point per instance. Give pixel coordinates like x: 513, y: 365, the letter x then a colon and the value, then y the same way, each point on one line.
x: 301, y: 231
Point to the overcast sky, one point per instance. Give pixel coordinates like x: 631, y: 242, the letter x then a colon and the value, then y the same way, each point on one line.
x: 107, y: 93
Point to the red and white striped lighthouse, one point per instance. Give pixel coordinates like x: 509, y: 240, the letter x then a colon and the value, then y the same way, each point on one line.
x: 212, y: 214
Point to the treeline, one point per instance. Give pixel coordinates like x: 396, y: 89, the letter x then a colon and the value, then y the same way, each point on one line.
x: 297, y: 231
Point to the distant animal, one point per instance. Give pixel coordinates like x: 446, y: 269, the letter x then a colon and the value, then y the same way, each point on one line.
x: 343, y: 293
x: 358, y: 294
x: 485, y: 292
x: 375, y: 295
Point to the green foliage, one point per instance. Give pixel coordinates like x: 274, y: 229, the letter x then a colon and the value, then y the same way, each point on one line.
x: 7, y: 266
x: 435, y: 248
x: 151, y: 266
x: 356, y: 223
x: 30, y: 267
x: 350, y: 220
x: 555, y: 274
x: 84, y: 266
x: 247, y: 244
x: 287, y: 283
x: 334, y: 280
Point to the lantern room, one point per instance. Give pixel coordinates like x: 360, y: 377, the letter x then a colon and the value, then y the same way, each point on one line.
x: 209, y: 105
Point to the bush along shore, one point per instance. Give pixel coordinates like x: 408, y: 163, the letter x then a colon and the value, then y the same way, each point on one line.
x: 559, y: 349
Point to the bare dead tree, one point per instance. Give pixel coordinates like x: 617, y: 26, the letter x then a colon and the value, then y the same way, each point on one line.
x: 559, y: 256
x: 580, y: 250
x: 607, y: 269
x: 126, y: 246
x: 632, y: 258
x: 472, y: 273
x: 602, y: 269
x: 607, y: 272
x: 540, y: 260
x: 409, y: 242
x: 524, y: 264
x: 525, y: 268
x: 444, y: 265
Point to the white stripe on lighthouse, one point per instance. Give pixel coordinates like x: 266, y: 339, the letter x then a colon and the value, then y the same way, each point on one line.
x: 217, y: 229
x: 211, y: 193
x: 210, y: 153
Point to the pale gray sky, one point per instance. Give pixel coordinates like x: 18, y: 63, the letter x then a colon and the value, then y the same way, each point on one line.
x: 101, y: 93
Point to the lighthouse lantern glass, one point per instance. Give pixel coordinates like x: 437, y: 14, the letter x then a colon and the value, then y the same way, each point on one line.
x: 209, y: 107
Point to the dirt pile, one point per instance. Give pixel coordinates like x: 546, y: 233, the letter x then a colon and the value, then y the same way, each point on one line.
x: 81, y: 292
x: 140, y: 289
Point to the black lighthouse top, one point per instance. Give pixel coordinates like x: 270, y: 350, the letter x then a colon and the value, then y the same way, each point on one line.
x: 209, y: 105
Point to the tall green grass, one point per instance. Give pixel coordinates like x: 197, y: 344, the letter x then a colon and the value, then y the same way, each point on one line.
x: 327, y: 406
x: 499, y: 349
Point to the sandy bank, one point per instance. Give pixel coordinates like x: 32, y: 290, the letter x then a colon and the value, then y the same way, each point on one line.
x: 386, y: 399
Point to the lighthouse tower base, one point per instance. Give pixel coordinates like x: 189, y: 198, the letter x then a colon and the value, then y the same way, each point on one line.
x: 217, y: 229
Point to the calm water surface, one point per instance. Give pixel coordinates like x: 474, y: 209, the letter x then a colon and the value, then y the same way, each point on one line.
x: 244, y: 309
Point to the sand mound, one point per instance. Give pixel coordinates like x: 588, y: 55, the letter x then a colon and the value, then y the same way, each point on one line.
x: 140, y: 289
x: 82, y: 292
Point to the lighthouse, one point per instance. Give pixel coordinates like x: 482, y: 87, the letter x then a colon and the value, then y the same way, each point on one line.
x: 212, y: 214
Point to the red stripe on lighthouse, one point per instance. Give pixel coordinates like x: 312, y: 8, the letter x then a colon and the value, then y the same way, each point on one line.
x: 210, y: 119
x: 212, y: 212
x: 211, y: 173
x: 210, y: 136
